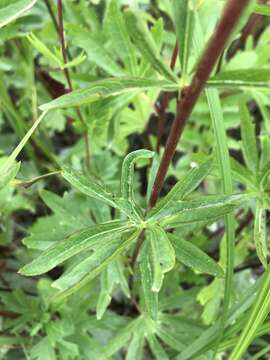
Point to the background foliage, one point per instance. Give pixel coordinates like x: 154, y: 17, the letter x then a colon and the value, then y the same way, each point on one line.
x: 87, y: 269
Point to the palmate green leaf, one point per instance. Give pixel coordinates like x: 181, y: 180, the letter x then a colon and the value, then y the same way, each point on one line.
x: 88, y: 185
x: 207, y: 339
x: 143, y: 40
x: 9, y: 13
x: 157, y: 33
x: 43, y: 350
x: 74, y: 244
x: 162, y: 255
x: 248, y: 138
x: 183, y: 187
x: 64, y: 221
x: 8, y: 173
x: 105, y: 250
x: 122, y: 337
x: 193, y: 257
x: 104, y: 88
x: 206, y: 208
x: 95, y: 50
x: 127, y: 177
x: 150, y: 298
x: 183, y: 22
x: 258, y: 78
x: 59, y: 206
x: 118, y: 33
x: 260, y: 233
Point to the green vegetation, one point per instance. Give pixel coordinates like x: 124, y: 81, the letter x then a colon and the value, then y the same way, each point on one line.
x: 134, y: 179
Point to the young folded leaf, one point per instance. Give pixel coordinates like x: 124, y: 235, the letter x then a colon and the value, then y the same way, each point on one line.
x: 127, y: 177
x: 145, y: 43
x: 105, y: 251
x: 206, y: 208
x: 260, y: 234
x: 74, y: 244
x: 193, y: 257
x: 11, y: 12
x: 104, y: 88
x: 150, y: 298
x: 119, y: 35
x: 241, y: 78
x: 183, y: 187
x: 161, y: 253
x: 248, y: 138
x: 183, y: 23
x: 44, y: 50
x: 88, y: 185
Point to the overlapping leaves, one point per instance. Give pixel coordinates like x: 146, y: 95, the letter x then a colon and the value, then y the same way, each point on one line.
x: 102, y: 243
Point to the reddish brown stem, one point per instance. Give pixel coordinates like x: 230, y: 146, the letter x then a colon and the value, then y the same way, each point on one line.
x: 216, y: 45
x: 251, y: 28
x: 68, y: 78
x: 8, y: 314
x: 49, y: 7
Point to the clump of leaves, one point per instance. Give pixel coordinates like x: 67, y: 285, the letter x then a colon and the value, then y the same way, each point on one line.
x: 135, y: 206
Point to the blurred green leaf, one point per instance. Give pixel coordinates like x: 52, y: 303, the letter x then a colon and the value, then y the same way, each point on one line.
x: 183, y: 23
x: 118, y: 32
x: 144, y: 42
x: 248, y: 139
x: 254, y: 78
x: 8, y: 174
x: 262, y: 9
x: 10, y: 12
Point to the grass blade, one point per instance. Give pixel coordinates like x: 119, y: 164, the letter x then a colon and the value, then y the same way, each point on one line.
x: 258, y: 314
x: 225, y: 170
x: 13, y: 11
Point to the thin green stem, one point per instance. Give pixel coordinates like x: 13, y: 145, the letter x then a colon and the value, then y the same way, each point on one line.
x: 68, y: 78
x: 259, y: 312
x: 217, y: 118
